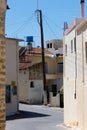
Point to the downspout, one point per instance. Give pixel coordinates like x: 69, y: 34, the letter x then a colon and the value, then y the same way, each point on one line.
x: 17, y: 71
x: 82, y: 15
x: 75, y: 95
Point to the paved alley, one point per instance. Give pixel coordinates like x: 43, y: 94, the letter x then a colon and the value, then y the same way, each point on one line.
x: 36, y: 117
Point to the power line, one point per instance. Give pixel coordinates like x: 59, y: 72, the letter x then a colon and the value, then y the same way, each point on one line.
x: 37, y: 4
x: 23, y: 25
x: 50, y: 28
x: 50, y: 20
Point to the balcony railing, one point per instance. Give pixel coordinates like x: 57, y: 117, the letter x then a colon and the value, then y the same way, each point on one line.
x: 54, y: 76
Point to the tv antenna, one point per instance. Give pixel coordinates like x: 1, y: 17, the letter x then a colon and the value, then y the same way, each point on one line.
x: 37, y: 4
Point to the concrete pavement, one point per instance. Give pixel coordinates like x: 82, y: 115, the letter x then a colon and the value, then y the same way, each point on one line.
x: 36, y: 117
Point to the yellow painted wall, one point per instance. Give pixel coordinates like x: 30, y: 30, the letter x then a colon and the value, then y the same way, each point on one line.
x: 51, y: 62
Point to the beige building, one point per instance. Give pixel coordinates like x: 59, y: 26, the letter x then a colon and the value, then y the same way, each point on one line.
x: 75, y: 74
x: 12, y: 68
x: 53, y: 72
x: 3, y: 4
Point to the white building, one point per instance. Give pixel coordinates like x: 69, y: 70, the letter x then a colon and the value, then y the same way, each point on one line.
x: 55, y: 46
x: 12, y: 60
x: 75, y: 74
x: 31, y: 83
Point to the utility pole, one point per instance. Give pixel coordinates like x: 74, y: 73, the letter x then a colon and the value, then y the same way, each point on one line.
x: 43, y: 56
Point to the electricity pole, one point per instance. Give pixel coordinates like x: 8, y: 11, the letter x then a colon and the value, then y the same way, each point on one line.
x: 42, y: 46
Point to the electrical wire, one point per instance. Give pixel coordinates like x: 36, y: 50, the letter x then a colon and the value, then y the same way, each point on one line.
x: 26, y: 22
x: 50, y: 28
x: 23, y: 25
x: 50, y: 20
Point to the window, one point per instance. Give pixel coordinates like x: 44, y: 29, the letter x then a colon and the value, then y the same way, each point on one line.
x: 47, y: 45
x: 50, y: 45
x: 75, y: 44
x: 71, y: 46
x: 66, y: 49
x: 60, y: 67
x: 54, y: 90
x: 8, y: 93
x: 86, y: 51
x: 31, y: 84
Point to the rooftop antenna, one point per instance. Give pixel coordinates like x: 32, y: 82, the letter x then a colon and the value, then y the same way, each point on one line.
x: 37, y: 13
x: 65, y: 26
x: 37, y: 4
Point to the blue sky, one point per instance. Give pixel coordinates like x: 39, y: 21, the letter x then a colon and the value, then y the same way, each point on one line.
x: 21, y: 19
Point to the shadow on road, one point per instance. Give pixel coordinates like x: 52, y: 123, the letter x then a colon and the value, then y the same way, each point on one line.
x: 25, y: 114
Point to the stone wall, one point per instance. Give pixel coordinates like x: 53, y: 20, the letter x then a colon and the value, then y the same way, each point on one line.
x: 35, y: 72
x: 2, y: 70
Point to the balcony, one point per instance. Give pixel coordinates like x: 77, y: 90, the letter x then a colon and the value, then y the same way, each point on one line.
x: 54, y: 76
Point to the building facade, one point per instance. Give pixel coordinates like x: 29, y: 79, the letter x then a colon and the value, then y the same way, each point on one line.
x: 55, y: 46
x: 31, y: 83
x: 12, y: 69
x: 75, y: 73
x: 53, y: 72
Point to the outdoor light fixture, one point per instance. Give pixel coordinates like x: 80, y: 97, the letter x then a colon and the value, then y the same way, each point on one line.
x: 7, y: 7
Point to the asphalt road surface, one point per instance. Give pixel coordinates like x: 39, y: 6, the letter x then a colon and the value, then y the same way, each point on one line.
x: 36, y: 117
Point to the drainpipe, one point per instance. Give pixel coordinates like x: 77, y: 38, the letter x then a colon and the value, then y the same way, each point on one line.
x: 82, y: 15
x: 17, y: 71
x: 75, y: 65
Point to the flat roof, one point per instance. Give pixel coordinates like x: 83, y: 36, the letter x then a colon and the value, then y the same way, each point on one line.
x: 20, y: 40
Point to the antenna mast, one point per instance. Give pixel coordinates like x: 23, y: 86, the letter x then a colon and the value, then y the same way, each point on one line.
x: 37, y: 4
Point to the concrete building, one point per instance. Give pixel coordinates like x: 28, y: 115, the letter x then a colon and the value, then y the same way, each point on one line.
x: 12, y: 68
x: 31, y: 83
x: 75, y: 74
x: 53, y: 72
x: 3, y: 4
x: 55, y: 46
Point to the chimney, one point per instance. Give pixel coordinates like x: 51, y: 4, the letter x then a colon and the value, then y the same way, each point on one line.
x: 82, y: 8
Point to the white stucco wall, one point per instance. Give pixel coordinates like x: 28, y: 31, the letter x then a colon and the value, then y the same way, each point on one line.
x: 54, y: 100
x: 27, y: 94
x: 76, y: 109
x: 12, y: 73
x: 69, y: 82
x: 70, y: 103
x: 36, y: 93
x: 82, y: 78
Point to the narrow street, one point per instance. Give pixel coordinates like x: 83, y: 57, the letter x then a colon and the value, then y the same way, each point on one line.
x: 36, y: 117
